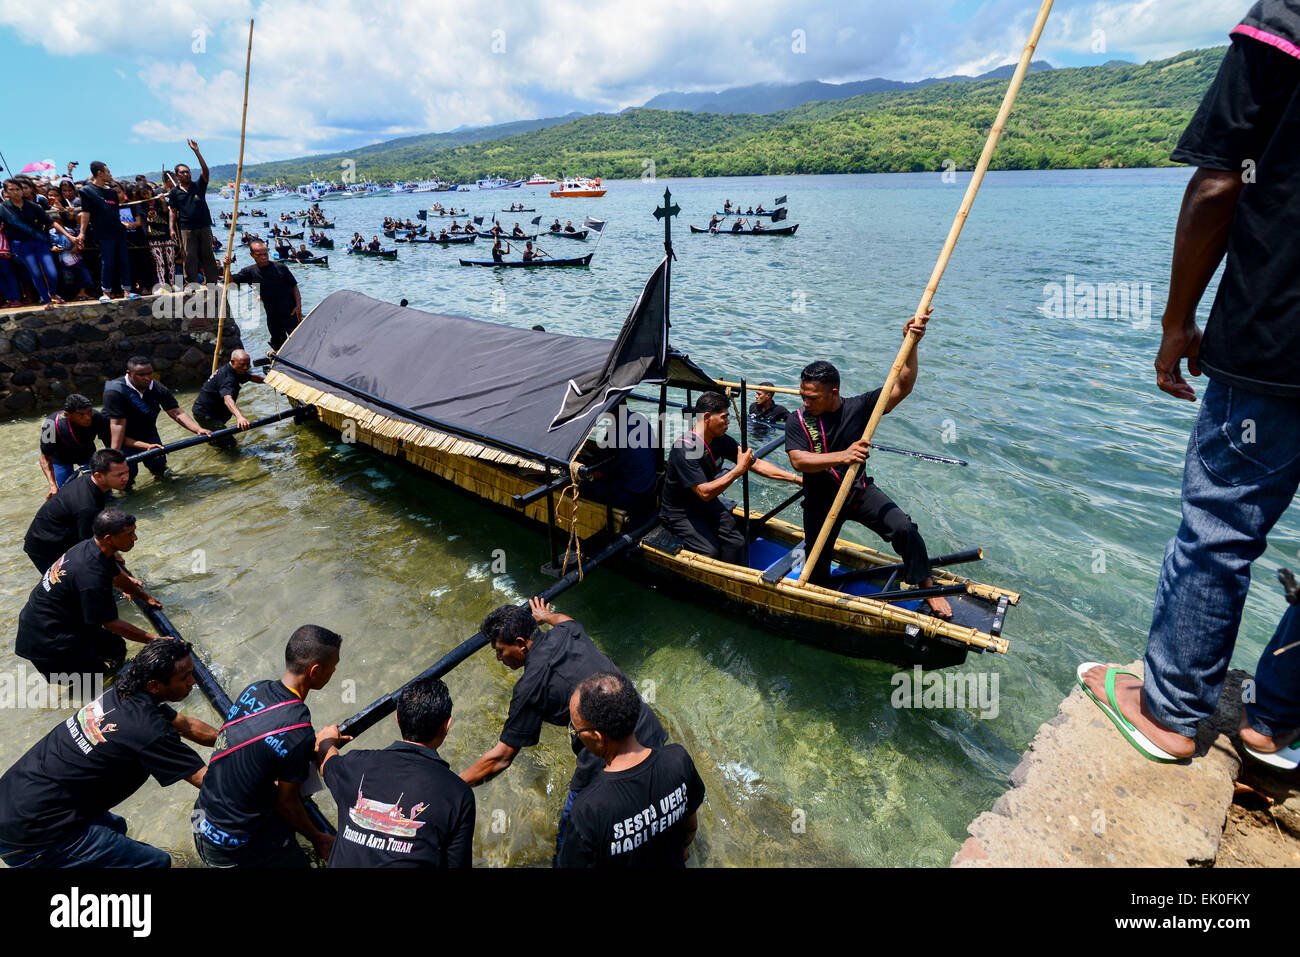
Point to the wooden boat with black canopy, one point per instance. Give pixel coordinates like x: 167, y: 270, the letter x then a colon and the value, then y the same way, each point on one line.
x: 503, y: 412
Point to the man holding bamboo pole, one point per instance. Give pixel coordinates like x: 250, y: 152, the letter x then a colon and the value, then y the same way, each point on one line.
x: 822, y: 439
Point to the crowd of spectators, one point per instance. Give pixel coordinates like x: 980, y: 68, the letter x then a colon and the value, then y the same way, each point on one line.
x: 66, y: 239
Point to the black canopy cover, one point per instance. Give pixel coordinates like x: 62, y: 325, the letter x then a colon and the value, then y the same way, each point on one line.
x: 493, y: 383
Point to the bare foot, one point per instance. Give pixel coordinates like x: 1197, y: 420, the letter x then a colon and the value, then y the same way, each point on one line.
x: 1132, y: 704
x: 1264, y: 743
x: 940, y: 607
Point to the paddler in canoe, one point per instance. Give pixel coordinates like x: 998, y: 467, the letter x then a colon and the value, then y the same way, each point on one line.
x: 824, y: 437
x: 498, y: 254
x: 555, y: 226
x: 714, y: 223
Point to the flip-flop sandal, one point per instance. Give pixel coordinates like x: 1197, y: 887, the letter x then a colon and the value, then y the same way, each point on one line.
x: 1110, y: 708
x: 1286, y: 759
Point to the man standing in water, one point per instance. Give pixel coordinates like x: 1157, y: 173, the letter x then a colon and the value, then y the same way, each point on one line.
x: 554, y: 664
x: 1243, y: 460
x: 824, y: 438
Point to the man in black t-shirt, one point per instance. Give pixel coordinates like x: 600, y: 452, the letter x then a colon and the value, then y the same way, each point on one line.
x: 279, y: 292
x: 216, y: 401
x: 403, y: 806
x: 191, y: 221
x: 56, y: 800
x: 765, y: 411
x: 824, y: 438
x: 70, y: 623
x: 554, y: 663
x: 132, y: 404
x: 1242, y: 467
x: 101, y: 220
x: 640, y: 810
x: 68, y: 439
x: 251, y: 801
x: 690, y: 506
x: 69, y: 517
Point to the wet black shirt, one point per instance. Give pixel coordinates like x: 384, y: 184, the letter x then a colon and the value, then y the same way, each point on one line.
x: 1249, y: 123
x: 122, y: 401
x: 191, y: 205
x: 67, y: 443
x: 400, y: 807
x: 239, y: 793
x: 67, y: 518
x: 556, y: 664
x: 73, y: 599
x: 277, y: 285
x: 101, y: 204
x: 693, y: 462
x: 635, y: 818
x: 89, y: 764
x: 772, y: 415
x: 840, y: 429
x: 225, y: 381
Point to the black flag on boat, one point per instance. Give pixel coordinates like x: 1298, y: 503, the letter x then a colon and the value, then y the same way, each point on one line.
x: 597, y: 224
x: 640, y: 354
x: 536, y: 220
x: 422, y: 214
x: 779, y: 215
x: 780, y: 201
x: 478, y: 220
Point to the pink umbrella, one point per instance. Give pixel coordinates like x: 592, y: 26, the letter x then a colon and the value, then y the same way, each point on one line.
x: 44, y: 166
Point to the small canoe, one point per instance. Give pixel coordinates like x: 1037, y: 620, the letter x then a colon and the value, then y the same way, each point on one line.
x: 433, y: 215
x: 507, y: 237
x: 275, y: 235
x: 392, y: 233
x: 380, y: 254
x: 432, y: 240
x: 326, y: 225
x: 769, y: 213
x: 774, y: 231
x: 561, y: 234
x: 322, y: 243
x: 518, y: 210
x: 318, y: 261
x: 531, y: 264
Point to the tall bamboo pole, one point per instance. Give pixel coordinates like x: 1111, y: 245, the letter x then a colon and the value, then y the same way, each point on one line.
x: 234, y: 219
x: 909, y: 341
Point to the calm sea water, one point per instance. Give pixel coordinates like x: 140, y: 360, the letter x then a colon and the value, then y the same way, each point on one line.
x: 1072, y: 491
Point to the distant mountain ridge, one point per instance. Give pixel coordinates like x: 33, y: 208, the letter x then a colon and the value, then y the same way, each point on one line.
x: 771, y: 97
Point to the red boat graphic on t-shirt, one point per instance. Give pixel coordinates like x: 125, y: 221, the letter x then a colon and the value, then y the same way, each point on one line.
x: 385, y: 818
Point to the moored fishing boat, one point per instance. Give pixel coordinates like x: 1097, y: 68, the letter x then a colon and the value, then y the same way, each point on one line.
x: 499, y: 183
x: 548, y: 391
x: 538, y: 180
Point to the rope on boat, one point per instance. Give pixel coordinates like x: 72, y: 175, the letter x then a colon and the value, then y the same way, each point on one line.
x: 575, y: 543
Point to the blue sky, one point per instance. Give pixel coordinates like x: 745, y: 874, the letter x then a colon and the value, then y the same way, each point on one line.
x: 127, y: 83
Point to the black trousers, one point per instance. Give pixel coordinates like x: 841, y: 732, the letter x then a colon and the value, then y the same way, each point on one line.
x: 874, y: 509
x: 279, y: 328
x: 717, y: 536
x: 94, y: 652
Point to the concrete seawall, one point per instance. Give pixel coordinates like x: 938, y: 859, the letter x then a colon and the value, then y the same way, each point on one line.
x: 47, y: 354
x: 1083, y: 797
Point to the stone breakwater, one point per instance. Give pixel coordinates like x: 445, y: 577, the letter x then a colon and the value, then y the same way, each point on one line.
x: 47, y: 354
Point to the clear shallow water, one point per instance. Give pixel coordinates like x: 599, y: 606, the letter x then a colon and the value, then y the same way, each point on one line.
x: 1072, y: 450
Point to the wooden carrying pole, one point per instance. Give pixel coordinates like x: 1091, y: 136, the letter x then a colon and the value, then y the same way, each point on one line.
x: 234, y: 218
x: 909, y: 341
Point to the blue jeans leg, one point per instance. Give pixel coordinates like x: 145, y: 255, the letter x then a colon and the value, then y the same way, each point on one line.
x: 114, y: 266
x: 9, y: 290
x: 103, y: 844
x: 40, y: 265
x: 1276, y: 708
x: 1242, y: 469
x: 564, y: 823
x: 62, y: 473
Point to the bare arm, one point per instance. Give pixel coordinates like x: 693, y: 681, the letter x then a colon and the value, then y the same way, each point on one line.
x: 768, y: 470
x: 125, y: 629
x: 288, y: 803
x: 192, y: 729
x: 489, y: 765
x: 1200, y: 241
x: 47, y: 468
x: 182, y: 417
x: 197, y: 777
x: 708, y: 491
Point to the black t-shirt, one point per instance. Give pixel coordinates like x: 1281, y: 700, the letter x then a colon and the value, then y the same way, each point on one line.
x: 31, y: 217
x: 122, y: 401
x: 277, y: 285
x: 400, y: 807
x: 68, y: 517
x: 833, y: 432
x: 239, y: 792
x: 73, y: 599
x: 191, y: 205
x: 89, y: 764
x: 693, y: 462
x: 772, y: 415
x: 635, y: 818
x: 66, y: 443
x: 101, y: 204
x: 556, y: 664
x: 1249, y: 123
x: 225, y: 381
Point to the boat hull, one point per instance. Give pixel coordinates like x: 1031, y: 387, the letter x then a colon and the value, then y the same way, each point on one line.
x: 773, y: 231
x: 532, y: 264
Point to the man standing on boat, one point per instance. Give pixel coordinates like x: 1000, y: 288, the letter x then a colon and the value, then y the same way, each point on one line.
x: 824, y: 437
x: 1243, y: 459
x: 279, y: 292
x: 694, y: 479
x: 555, y: 662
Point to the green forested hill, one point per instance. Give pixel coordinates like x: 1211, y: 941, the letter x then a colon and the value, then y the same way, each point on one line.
x: 1087, y: 117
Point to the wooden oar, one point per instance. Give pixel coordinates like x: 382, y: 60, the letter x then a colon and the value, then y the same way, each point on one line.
x: 376, y: 711
x: 234, y: 216
x: 301, y: 411
x: 909, y: 341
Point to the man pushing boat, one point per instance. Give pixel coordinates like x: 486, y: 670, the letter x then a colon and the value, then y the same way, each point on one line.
x: 824, y: 437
